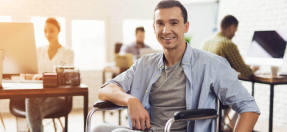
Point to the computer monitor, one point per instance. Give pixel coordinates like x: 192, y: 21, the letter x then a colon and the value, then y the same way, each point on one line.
x: 19, y: 50
x: 267, y: 48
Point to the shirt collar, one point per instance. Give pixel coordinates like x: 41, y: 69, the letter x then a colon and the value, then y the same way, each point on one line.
x: 186, y: 60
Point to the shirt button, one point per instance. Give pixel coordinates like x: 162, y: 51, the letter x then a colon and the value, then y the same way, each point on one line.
x: 187, y: 63
x: 146, y: 91
x: 156, y: 76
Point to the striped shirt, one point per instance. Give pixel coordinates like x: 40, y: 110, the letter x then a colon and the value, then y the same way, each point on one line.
x: 223, y: 46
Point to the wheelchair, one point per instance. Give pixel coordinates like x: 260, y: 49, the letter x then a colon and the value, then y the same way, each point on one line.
x: 185, y: 115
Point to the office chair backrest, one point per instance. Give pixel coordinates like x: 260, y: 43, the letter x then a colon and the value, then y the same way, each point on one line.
x: 118, y: 47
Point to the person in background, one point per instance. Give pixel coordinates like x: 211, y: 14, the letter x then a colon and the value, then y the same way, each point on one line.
x: 222, y: 45
x: 48, y: 57
x: 135, y: 47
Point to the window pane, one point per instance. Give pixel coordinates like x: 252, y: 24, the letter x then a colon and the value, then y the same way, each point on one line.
x: 39, y: 23
x: 129, y: 26
x: 88, y: 42
x: 5, y: 19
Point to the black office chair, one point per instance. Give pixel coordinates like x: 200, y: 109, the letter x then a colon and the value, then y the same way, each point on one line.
x: 186, y: 115
x: 17, y: 108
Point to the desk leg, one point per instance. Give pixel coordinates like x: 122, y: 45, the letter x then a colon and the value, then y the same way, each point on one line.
x: 252, y: 92
x: 271, y: 107
x: 86, y: 101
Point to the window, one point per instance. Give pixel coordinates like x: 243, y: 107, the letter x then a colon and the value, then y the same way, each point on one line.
x: 39, y: 23
x: 5, y: 19
x: 129, y: 26
x: 88, y: 42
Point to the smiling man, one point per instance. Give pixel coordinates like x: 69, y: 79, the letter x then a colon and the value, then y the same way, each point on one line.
x: 180, y: 78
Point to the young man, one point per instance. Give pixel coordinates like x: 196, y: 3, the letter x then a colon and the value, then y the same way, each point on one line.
x: 135, y: 47
x: 180, y: 78
x: 222, y: 45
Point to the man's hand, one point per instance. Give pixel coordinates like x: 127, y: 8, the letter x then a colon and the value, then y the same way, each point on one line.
x: 138, y: 115
x: 256, y: 68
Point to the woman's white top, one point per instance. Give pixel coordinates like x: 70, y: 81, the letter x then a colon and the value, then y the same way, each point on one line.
x: 63, y: 55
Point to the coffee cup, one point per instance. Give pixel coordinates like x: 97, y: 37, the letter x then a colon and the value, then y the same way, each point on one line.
x: 274, y: 70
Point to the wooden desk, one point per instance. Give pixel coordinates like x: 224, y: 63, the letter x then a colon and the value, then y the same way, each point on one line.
x: 266, y: 79
x: 36, y: 90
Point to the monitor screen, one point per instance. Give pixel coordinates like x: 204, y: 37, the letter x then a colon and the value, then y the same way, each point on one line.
x: 268, y: 44
x: 19, y: 50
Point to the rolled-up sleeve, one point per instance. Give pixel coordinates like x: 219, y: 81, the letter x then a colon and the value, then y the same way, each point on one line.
x: 125, y: 79
x: 230, y: 90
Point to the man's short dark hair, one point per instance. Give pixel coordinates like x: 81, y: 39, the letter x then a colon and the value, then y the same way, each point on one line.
x: 140, y: 29
x: 228, y: 21
x: 172, y: 3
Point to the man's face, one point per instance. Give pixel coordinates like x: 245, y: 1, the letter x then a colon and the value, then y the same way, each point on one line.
x: 169, y: 27
x: 232, y: 31
x: 140, y: 36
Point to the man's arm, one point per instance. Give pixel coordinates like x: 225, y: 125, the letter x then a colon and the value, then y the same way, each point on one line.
x: 231, y: 92
x: 138, y: 114
x: 115, y: 94
x: 246, y: 122
x: 236, y: 61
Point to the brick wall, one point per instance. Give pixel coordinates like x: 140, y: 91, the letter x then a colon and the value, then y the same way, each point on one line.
x: 259, y: 15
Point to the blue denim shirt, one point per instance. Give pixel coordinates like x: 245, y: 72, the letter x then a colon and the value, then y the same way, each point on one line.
x: 208, y: 76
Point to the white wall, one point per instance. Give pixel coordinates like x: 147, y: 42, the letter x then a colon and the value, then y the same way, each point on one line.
x: 202, y: 18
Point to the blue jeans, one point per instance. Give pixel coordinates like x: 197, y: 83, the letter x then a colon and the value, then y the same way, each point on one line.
x: 38, y: 108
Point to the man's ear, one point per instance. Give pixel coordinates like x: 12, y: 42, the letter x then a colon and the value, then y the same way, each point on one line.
x: 186, y: 27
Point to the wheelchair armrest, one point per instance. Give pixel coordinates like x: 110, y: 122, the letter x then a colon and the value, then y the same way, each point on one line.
x: 195, y: 114
x: 107, y: 105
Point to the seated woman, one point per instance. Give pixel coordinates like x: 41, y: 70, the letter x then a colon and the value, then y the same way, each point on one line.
x: 48, y: 57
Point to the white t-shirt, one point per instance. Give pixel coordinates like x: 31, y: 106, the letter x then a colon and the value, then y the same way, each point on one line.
x: 64, y: 55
